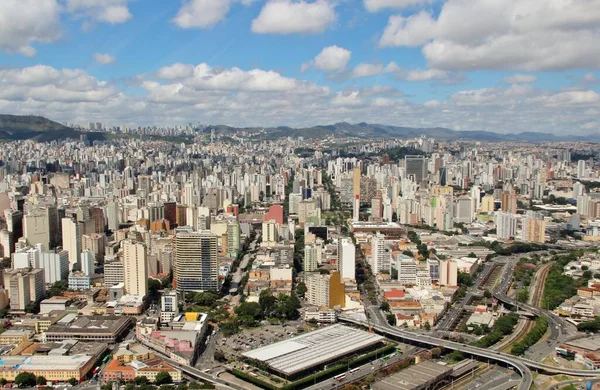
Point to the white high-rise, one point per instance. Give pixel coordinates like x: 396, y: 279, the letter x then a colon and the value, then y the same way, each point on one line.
x: 71, y: 239
x: 135, y: 268
x: 407, y: 270
x: 346, y: 259
x: 380, y: 259
x: 448, y: 272
x: 55, y: 265
x: 506, y: 225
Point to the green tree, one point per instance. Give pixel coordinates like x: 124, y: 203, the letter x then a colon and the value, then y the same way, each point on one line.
x: 391, y: 319
x: 301, y: 289
x: 73, y: 381
x: 107, y: 386
x: 3, y: 381
x: 163, y: 378
x: 25, y: 379
x: 250, y: 309
x: 487, y: 294
x: 465, y: 279
x: 427, y: 326
x: 141, y: 380
x: 207, y: 298
x: 40, y: 381
x: 267, y: 303
x: 385, y: 306
x: 473, y: 255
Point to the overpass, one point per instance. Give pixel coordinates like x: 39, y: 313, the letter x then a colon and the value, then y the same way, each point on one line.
x: 522, y: 365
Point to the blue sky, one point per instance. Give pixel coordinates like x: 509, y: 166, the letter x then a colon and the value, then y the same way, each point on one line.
x: 499, y: 65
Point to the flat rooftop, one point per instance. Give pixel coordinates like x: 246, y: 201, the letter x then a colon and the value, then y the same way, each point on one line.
x: 88, y: 324
x: 417, y: 377
x: 43, y: 363
x: 314, y: 348
x: 588, y: 343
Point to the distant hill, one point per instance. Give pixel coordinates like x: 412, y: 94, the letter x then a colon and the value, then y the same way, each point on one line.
x: 370, y: 130
x: 16, y: 127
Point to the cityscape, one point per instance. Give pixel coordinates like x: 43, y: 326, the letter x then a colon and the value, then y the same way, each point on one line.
x: 299, y: 194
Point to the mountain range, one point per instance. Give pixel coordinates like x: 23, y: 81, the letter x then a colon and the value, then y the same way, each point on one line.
x: 14, y: 127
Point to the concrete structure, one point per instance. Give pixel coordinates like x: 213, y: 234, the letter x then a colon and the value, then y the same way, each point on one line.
x: 71, y: 239
x: 346, y: 259
x: 325, y: 290
x: 55, y: 265
x: 195, y: 262
x: 135, y: 268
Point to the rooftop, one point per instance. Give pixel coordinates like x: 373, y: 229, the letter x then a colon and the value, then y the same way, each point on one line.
x: 414, y: 377
x: 311, y: 349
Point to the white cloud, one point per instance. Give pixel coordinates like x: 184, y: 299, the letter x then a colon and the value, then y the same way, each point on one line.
x: 201, y: 13
x: 25, y: 22
x: 104, y: 59
x: 366, y: 70
x: 425, y: 75
x: 503, y: 34
x: 104, y: 11
x: 293, y: 17
x: 414, y: 30
x: 520, y: 79
x: 176, y: 71
x: 331, y: 58
x: 378, y: 5
x: 589, y: 78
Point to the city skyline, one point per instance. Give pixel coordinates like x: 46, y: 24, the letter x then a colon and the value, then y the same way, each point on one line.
x: 533, y: 67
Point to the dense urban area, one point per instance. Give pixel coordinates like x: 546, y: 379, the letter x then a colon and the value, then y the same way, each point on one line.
x: 196, y: 258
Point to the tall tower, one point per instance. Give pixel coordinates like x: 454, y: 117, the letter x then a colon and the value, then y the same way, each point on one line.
x: 71, y: 239
x: 196, y: 263
x: 135, y: 268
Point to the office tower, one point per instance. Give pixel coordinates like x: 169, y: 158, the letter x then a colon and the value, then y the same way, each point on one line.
x: 71, y: 237
x: 14, y: 223
x: 416, y: 168
x: 581, y: 169
x: 97, y: 215
x: 169, y: 306
x: 534, y: 228
x: 171, y: 213
x: 55, y: 265
x: 325, y: 290
x: 181, y: 215
x: 448, y: 273
x: 112, y: 215
x: 195, y: 262
x: 312, y: 257
x: 113, y: 273
x: 96, y: 243
x: 434, y: 269
x: 509, y: 202
x: 464, y: 210
x: 356, y: 208
x: 443, y: 176
x: 270, y: 233
x: 203, y: 218
x: 407, y: 270
x: 135, y: 268
x: 380, y: 258
x: 356, y: 176
x: 7, y: 243
x: 307, y: 209
x: 377, y: 208
x: 36, y: 228
x: 24, y: 287
x: 506, y: 225
x: 87, y: 260
x: 487, y: 204
x: 233, y: 239
x: 346, y: 259
x: 583, y: 205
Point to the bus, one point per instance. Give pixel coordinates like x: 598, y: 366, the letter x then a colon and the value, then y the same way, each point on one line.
x: 340, y: 377
x: 354, y: 370
x: 106, y: 358
x: 96, y: 370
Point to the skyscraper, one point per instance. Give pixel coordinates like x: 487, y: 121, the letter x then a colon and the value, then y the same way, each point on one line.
x: 325, y: 290
x: 380, y: 259
x: 416, y: 169
x: 195, y: 262
x: 346, y: 259
x: 506, y: 225
x: 135, y: 268
x: 534, y: 228
x: 71, y: 239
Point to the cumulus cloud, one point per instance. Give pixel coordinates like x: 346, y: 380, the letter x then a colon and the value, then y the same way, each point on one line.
x: 331, y: 59
x: 378, y: 5
x: 425, y: 75
x: 25, y: 22
x: 294, y: 17
x: 520, y: 79
x: 104, y: 59
x: 503, y: 34
x: 201, y: 13
x: 100, y: 11
x: 260, y: 97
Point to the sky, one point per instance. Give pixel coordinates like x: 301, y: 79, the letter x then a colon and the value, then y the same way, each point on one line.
x: 506, y: 66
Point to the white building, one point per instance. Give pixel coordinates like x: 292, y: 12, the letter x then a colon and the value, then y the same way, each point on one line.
x: 380, y: 258
x: 506, y: 225
x: 55, y: 265
x: 448, y: 273
x: 407, y: 270
x: 135, y: 268
x: 71, y: 239
x: 346, y: 259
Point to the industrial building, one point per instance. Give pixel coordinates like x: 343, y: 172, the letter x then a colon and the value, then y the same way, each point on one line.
x: 311, y: 350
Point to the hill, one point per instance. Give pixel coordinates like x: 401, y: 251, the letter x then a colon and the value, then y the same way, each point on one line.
x: 16, y: 127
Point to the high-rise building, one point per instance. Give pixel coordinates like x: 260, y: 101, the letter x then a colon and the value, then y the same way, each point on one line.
x: 169, y: 306
x: 509, y: 202
x: 380, y: 258
x: 434, y: 269
x: 24, y: 287
x: 55, y: 265
x: 195, y: 262
x: 534, y: 228
x: 96, y: 243
x: 464, y: 210
x: 71, y: 237
x: 377, y: 208
x: 270, y: 233
x: 325, y: 290
x: 86, y: 261
x: 36, y: 228
x: 346, y: 259
x: 7, y: 243
x: 506, y: 225
x: 233, y: 239
x: 113, y: 273
x: 407, y: 270
x: 416, y: 168
x: 312, y: 257
x: 135, y: 268
x: 448, y: 273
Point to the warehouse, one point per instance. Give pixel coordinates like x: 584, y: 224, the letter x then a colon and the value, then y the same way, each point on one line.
x: 298, y: 354
x: 418, y: 377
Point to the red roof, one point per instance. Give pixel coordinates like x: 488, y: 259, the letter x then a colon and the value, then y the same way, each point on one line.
x: 394, y: 294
